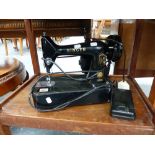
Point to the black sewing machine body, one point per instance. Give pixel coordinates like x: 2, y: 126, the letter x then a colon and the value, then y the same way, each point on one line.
x: 64, y: 90
x: 95, y: 57
x: 94, y: 54
x: 94, y: 86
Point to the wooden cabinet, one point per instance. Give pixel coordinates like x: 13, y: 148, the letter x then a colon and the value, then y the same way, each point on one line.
x: 144, y: 47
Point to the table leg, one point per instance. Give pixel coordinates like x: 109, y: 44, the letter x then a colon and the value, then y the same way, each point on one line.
x: 39, y: 42
x: 33, y: 50
x: 6, y: 46
x: 152, y: 93
x: 21, y: 46
x: 14, y: 40
x: 27, y: 43
x: 4, y: 130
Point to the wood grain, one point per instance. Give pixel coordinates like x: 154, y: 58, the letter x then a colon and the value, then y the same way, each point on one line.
x: 4, y: 130
x: 127, y: 33
x: 10, y: 28
x: 90, y: 119
x: 136, y: 46
x: 139, y: 72
x: 146, y: 100
x: 33, y: 50
x: 146, y: 54
x: 152, y: 93
x: 12, y: 74
x: 145, y: 47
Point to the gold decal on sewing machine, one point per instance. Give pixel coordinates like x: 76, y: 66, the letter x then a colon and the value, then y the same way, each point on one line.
x: 102, y: 59
x: 72, y: 50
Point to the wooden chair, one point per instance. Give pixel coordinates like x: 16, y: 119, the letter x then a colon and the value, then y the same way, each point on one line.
x: 97, y: 32
x: 14, y: 41
x: 94, y: 119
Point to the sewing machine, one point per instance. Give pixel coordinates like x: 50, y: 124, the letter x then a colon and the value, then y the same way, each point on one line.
x: 91, y: 87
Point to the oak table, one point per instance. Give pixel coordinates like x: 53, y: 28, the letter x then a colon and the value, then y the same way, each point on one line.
x: 89, y: 119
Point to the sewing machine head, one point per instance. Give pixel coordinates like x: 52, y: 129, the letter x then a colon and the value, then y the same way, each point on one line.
x: 95, y: 55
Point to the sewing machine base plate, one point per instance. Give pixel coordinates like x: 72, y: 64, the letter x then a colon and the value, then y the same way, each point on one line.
x: 62, y: 90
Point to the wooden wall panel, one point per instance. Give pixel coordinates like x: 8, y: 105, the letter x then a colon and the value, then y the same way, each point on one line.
x: 145, y: 66
x: 146, y: 56
x: 127, y: 32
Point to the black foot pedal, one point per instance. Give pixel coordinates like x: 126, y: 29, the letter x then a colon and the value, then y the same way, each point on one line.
x: 122, y: 104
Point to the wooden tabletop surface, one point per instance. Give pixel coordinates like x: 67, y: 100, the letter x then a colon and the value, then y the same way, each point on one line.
x: 7, y: 65
x: 90, y: 119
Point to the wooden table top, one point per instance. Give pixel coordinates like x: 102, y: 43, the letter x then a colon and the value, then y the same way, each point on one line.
x: 7, y: 65
x: 89, y: 119
x: 10, y: 28
x: 12, y: 74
